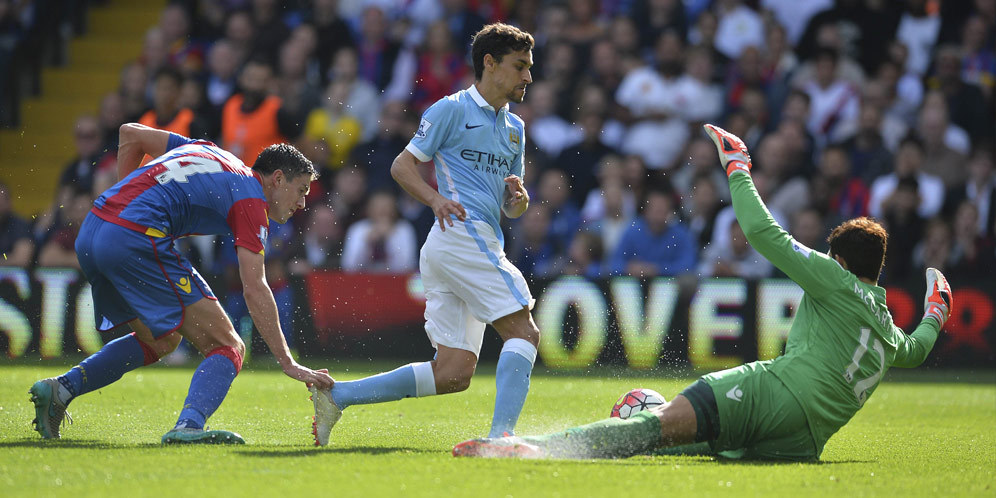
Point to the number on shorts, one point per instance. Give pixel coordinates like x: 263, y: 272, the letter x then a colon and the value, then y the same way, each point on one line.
x: 862, y: 386
x: 180, y: 168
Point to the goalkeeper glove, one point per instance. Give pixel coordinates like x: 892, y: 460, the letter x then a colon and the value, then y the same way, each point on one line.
x: 732, y: 151
x: 937, y: 302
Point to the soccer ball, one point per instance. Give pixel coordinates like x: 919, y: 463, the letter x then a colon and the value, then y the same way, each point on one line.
x: 636, y: 400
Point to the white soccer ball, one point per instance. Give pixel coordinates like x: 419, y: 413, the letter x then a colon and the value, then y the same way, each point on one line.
x: 636, y: 400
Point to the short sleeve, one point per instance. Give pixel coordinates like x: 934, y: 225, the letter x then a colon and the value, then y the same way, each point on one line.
x: 175, y: 140
x: 433, y: 129
x: 248, y: 221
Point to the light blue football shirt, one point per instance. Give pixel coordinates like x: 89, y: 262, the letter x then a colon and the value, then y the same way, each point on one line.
x: 474, y: 149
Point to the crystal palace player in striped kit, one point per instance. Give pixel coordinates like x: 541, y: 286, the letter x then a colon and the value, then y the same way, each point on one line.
x: 125, y: 248
x: 841, y: 343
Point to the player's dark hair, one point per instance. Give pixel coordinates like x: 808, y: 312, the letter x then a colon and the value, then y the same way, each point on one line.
x: 286, y: 158
x: 499, y: 40
x: 171, y: 73
x: 861, y: 243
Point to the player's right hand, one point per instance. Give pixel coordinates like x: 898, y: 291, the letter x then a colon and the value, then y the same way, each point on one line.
x: 319, y: 378
x: 444, y: 207
x: 937, y: 303
x: 732, y: 151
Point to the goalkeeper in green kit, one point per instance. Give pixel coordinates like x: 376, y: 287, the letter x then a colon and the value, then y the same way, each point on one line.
x: 841, y: 343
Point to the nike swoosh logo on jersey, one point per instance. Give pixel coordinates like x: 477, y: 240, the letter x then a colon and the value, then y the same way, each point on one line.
x: 184, y: 285
x: 472, y: 127
x: 735, y: 393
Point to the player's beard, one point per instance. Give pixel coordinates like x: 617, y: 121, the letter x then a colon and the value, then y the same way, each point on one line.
x: 512, y: 97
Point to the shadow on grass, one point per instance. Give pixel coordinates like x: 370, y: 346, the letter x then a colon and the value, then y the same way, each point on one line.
x: 312, y: 451
x: 89, y: 444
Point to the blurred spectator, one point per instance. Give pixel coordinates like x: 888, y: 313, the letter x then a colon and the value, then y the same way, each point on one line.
x: 904, y: 90
x: 610, y: 173
x: 377, y: 52
x: 154, y: 51
x: 980, y: 189
x: 866, y: 28
x: 333, y: 32
x: 657, y: 243
x: 550, y: 132
x: 979, y: 60
x: 905, y: 226
x: 60, y: 249
x: 133, y: 82
x: 918, y: 30
x: 534, y: 249
x: 941, y: 159
x: 16, y: 245
x: 656, y: 133
x: 181, y: 51
x: 322, y: 242
x: 240, y: 33
x: 554, y: 192
x: 298, y: 93
x: 966, y: 105
x: 441, y: 69
x: 869, y: 156
x: 580, y: 162
x: 618, y: 211
x: 909, y: 163
x: 254, y: 119
x: 835, y: 191
x: 788, y: 191
x: 969, y: 255
x: 363, y: 100
x: 166, y: 113
x: 584, y: 256
x: 348, y: 194
x: 795, y: 15
x: 377, y: 155
x: 79, y: 173
x: 222, y: 64
x: 809, y: 229
x: 463, y: 23
x: 381, y: 242
x: 270, y: 31
x: 605, y: 69
x: 738, y: 259
x: 624, y: 36
x: 739, y: 27
x: 333, y: 125
x: 934, y: 251
x: 110, y: 117
x: 701, y: 162
x: 585, y: 27
x: 699, y: 99
x: 834, y: 102
x: 207, y: 118
x: 721, y: 227
x: 701, y: 208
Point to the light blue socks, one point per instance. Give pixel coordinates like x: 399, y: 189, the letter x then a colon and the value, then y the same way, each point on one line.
x: 515, y: 364
x: 408, y: 381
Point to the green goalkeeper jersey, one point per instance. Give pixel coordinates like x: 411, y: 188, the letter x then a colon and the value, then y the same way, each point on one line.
x: 842, y: 340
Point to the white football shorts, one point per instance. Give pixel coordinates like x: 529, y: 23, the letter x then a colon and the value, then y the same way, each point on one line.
x: 468, y: 282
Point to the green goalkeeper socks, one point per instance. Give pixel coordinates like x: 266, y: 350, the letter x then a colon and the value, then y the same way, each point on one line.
x: 609, y: 438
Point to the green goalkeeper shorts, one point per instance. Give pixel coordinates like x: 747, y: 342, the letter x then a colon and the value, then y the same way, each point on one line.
x: 758, y: 416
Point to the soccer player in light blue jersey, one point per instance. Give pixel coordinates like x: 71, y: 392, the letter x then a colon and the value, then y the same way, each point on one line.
x: 477, y: 146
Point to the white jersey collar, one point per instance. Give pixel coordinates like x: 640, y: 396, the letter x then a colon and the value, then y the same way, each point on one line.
x: 479, y: 99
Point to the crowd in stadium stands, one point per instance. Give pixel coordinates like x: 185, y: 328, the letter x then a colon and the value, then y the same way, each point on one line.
x: 850, y: 107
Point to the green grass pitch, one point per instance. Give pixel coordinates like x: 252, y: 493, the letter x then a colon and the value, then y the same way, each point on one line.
x: 921, y: 434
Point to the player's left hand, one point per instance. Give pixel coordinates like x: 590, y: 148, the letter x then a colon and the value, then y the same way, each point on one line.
x: 319, y: 378
x: 732, y: 150
x: 517, y: 191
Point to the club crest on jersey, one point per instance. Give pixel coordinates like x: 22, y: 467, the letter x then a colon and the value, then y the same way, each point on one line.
x: 513, y: 137
x: 423, y: 128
